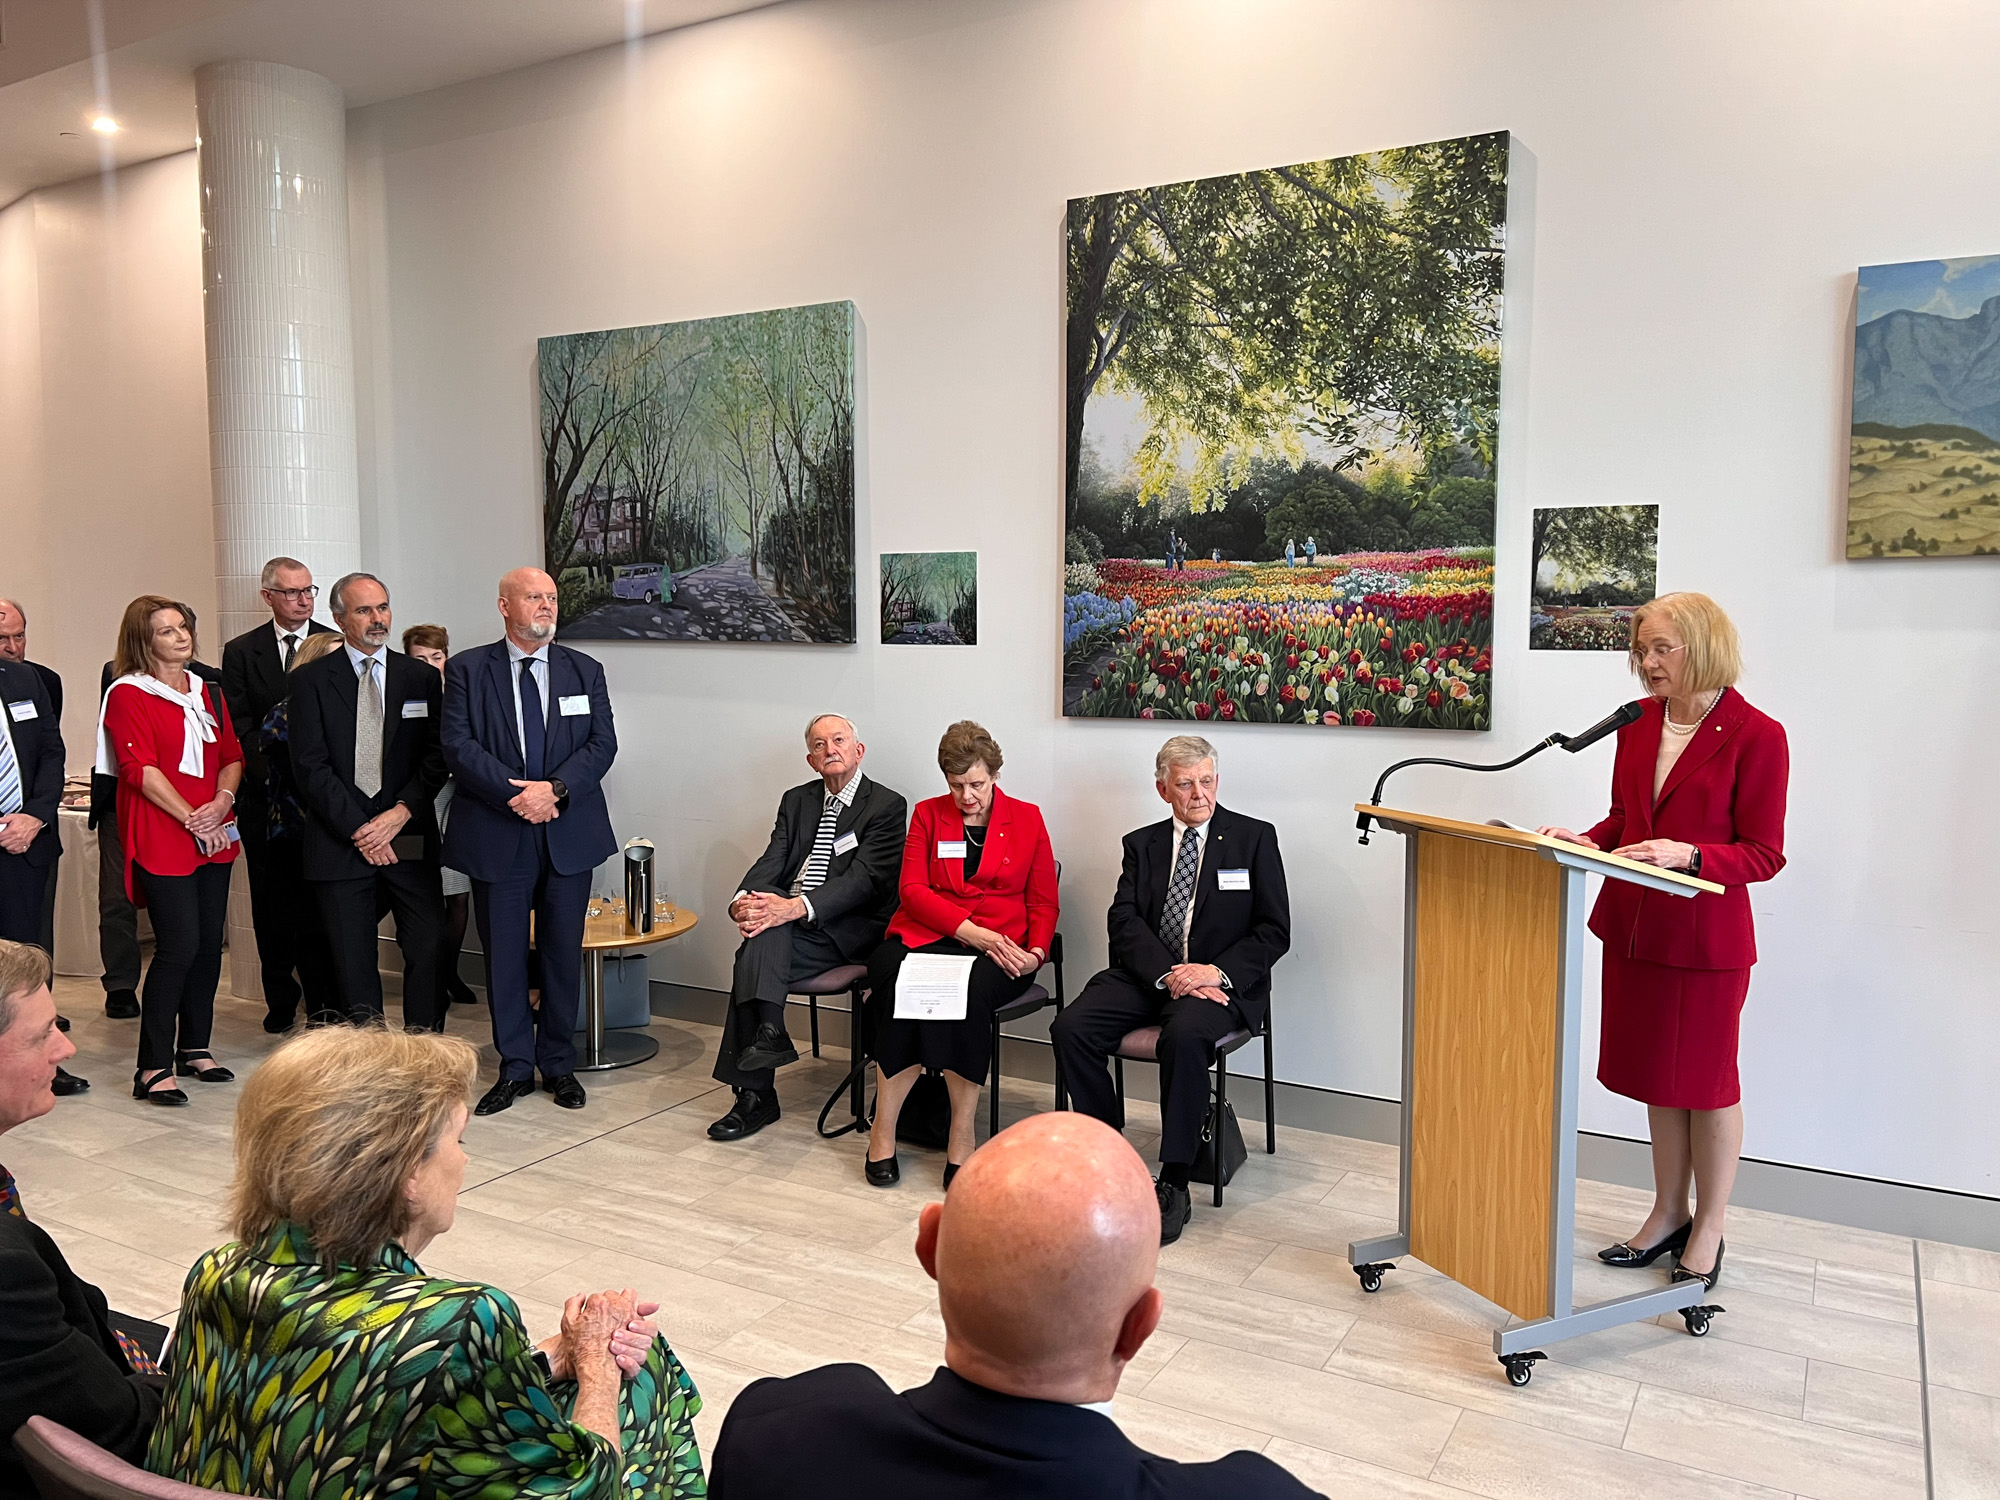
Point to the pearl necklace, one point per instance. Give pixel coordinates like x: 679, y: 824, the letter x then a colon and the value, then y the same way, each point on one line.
x: 1668, y: 719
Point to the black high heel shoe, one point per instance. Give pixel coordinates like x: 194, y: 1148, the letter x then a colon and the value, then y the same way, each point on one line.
x: 184, y: 1067
x: 950, y: 1171
x: 1624, y: 1254
x: 1712, y: 1277
x: 142, y: 1087
x: 883, y: 1173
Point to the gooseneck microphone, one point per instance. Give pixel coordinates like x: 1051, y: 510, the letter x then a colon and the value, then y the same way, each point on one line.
x: 1611, y: 723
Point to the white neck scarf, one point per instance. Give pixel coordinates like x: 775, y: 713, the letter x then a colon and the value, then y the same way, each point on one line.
x: 197, y: 723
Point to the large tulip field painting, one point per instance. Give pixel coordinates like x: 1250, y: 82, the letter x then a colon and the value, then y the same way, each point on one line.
x: 1281, y: 429
x: 1923, y: 475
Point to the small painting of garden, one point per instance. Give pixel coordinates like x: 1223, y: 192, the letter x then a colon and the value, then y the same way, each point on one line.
x: 1592, y: 565
x: 1281, y: 433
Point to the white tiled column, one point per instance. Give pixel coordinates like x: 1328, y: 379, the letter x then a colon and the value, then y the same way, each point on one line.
x: 272, y: 145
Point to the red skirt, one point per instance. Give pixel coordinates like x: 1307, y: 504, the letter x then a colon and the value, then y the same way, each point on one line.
x: 1669, y: 1034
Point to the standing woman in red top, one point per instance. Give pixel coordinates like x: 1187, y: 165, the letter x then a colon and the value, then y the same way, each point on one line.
x: 1698, y: 785
x: 979, y: 878
x: 166, y: 735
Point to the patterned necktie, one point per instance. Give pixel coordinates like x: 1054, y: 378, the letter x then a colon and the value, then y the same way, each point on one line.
x: 10, y: 1196
x: 534, y: 724
x: 813, y: 875
x: 368, y: 733
x: 1180, y: 895
x: 138, y: 1359
x: 10, y: 773
x: 291, y: 650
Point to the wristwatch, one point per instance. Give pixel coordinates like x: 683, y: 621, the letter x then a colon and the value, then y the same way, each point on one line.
x: 1694, y: 861
x: 562, y: 792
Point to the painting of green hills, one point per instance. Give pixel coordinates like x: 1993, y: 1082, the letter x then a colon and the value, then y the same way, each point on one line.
x: 1924, y: 444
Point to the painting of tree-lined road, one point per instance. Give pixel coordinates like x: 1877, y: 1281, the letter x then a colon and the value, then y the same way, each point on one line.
x: 1281, y: 427
x: 698, y: 478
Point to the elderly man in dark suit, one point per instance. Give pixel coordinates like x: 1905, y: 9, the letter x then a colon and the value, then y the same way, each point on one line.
x: 1044, y: 1254
x: 1199, y: 918
x: 31, y: 782
x: 282, y: 912
x: 819, y: 897
x: 63, y: 1355
x: 364, y: 748
x: 528, y: 734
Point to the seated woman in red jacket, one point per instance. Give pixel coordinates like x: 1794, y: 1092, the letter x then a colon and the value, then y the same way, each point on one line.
x: 1698, y: 785
x: 979, y: 880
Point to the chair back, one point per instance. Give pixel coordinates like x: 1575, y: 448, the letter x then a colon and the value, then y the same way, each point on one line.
x: 66, y: 1466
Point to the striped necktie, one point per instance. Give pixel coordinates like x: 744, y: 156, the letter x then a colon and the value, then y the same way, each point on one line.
x: 10, y: 773
x: 138, y: 1359
x: 814, y: 874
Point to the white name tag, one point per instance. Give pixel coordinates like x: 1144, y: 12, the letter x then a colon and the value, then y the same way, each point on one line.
x: 22, y: 711
x: 1232, y: 880
x: 951, y: 848
x: 845, y: 842
x: 574, y: 705
x: 416, y: 710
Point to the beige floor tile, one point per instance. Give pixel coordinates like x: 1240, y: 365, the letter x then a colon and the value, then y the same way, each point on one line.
x: 485, y: 1247
x: 1841, y: 1338
x: 696, y: 1311
x: 1961, y: 1264
x: 1863, y: 1289
x: 793, y: 1208
x: 49, y: 1176
x: 1286, y: 1221
x: 1962, y: 1337
x: 832, y: 1277
x: 1217, y: 1255
x: 1875, y: 1405
x: 133, y: 1281
x: 795, y: 1337
x: 1835, y: 1242
x: 1390, y: 1428
x: 671, y: 1234
x: 1408, y: 1297
x: 1511, y: 1461
x: 94, y: 1124
x: 1662, y: 1354
x: 1364, y: 1193
x: 1564, y: 1398
x: 1965, y: 1446
x: 1153, y: 1356
x: 164, y: 1222
x: 181, y: 1163
x: 1183, y: 1436
x: 1299, y: 1333
x: 1825, y: 1462
x: 1342, y: 1151
x: 1340, y: 1478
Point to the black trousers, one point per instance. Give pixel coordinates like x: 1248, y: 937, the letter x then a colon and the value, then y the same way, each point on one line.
x: 177, y: 1006
x: 525, y: 1037
x: 48, y: 937
x: 291, y: 942
x: 962, y: 1047
x: 22, y: 887
x: 353, y: 910
x: 117, y: 917
x: 1091, y: 1027
x: 767, y: 966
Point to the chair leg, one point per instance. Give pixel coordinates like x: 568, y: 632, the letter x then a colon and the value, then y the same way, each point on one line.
x: 993, y: 1093
x: 1062, y: 1088
x: 812, y: 1007
x: 1118, y: 1068
x: 1270, y: 1095
x: 1215, y: 1125
x: 854, y: 1046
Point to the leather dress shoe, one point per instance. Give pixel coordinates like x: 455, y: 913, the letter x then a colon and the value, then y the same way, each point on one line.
x: 67, y: 1083
x: 567, y: 1091
x: 883, y: 1173
x: 769, y: 1048
x: 279, y: 1025
x: 503, y: 1094
x: 1712, y: 1277
x: 752, y: 1111
x: 1625, y: 1253
x: 1176, y: 1208
x: 122, y: 1005
x: 950, y: 1171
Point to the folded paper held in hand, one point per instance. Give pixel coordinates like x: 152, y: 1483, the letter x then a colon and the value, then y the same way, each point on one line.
x: 931, y: 987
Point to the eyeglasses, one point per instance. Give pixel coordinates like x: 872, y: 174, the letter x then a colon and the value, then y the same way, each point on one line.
x: 1656, y: 652
x: 310, y: 591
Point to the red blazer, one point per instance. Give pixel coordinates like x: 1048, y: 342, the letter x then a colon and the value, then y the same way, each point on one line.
x: 1014, y: 891
x: 146, y: 731
x: 1726, y: 796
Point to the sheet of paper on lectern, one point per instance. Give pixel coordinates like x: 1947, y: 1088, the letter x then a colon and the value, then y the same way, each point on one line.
x: 931, y: 987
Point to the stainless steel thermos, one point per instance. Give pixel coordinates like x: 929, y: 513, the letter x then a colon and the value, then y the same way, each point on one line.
x: 639, y: 885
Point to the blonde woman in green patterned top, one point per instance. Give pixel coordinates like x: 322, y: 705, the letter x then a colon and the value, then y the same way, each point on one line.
x: 315, y: 1359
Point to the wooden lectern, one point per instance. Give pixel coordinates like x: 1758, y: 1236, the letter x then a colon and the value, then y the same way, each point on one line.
x: 1493, y: 956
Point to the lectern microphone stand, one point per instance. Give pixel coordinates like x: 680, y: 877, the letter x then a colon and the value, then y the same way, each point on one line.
x: 1493, y: 956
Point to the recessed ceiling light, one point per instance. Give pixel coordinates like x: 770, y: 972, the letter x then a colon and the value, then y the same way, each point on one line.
x: 104, y: 125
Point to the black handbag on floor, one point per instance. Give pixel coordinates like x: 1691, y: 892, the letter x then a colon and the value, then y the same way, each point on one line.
x: 1234, y: 1153
x: 926, y: 1117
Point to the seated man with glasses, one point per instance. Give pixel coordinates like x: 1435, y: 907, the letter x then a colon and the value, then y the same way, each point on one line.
x: 253, y: 683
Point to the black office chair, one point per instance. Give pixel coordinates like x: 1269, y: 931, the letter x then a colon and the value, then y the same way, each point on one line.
x: 1031, y: 1000
x: 848, y: 979
x: 1143, y: 1045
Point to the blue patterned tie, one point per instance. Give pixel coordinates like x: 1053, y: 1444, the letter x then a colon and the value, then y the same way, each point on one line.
x: 534, y: 724
x: 1180, y: 895
x: 10, y: 774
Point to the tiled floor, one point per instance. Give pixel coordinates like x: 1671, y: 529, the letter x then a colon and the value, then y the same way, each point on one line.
x: 1960, y: 1296
x: 772, y: 1255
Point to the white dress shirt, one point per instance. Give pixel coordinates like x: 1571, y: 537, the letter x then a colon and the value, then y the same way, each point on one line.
x: 364, y: 661
x: 298, y: 632
x: 540, y: 657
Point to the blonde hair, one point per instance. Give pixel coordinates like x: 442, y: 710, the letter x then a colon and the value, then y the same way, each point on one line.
x: 333, y: 1126
x: 24, y: 968
x: 1714, y: 654
x: 313, y: 647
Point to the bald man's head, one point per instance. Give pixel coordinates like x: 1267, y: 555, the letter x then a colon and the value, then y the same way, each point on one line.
x: 1044, y: 1253
x: 528, y: 605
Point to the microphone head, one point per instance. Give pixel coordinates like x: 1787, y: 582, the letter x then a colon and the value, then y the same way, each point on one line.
x: 1611, y: 723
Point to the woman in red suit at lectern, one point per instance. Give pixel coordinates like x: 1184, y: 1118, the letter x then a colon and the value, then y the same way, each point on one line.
x: 1698, y: 786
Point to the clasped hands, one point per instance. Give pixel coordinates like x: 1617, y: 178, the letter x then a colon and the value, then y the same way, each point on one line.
x: 600, y: 1328
x: 1014, y: 960
x: 375, y: 837
x: 1204, y: 980
x: 759, y: 911
x: 18, y: 830
x: 1666, y: 854
x: 536, y: 801
x: 209, y: 823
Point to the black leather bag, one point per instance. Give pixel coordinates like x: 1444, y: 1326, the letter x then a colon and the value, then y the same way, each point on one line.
x: 926, y: 1117
x: 1233, y: 1152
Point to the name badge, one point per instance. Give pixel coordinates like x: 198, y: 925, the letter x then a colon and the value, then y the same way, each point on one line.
x: 951, y: 848
x: 1232, y: 880
x: 22, y: 712
x: 416, y: 710
x: 574, y: 706
x: 846, y: 842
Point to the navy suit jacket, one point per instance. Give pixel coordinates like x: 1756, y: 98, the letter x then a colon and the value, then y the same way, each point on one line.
x: 482, y: 749
x: 38, y: 749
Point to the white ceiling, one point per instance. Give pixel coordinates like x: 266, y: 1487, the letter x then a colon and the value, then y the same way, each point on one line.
x: 53, y: 78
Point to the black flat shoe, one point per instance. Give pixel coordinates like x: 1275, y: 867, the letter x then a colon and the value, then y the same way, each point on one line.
x: 62, y: 1023
x: 883, y: 1173
x: 1623, y: 1254
x: 67, y: 1083
x: 142, y: 1087
x: 1712, y: 1277
x: 951, y: 1171
x: 769, y: 1048
x: 1176, y: 1208
x: 567, y: 1091
x: 503, y: 1094
x: 279, y: 1025
x: 753, y: 1110
x: 122, y: 1005
x: 184, y: 1067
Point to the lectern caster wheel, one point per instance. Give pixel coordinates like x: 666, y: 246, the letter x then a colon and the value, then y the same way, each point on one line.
x: 1697, y: 1318
x: 1521, y: 1367
x: 1371, y: 1275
